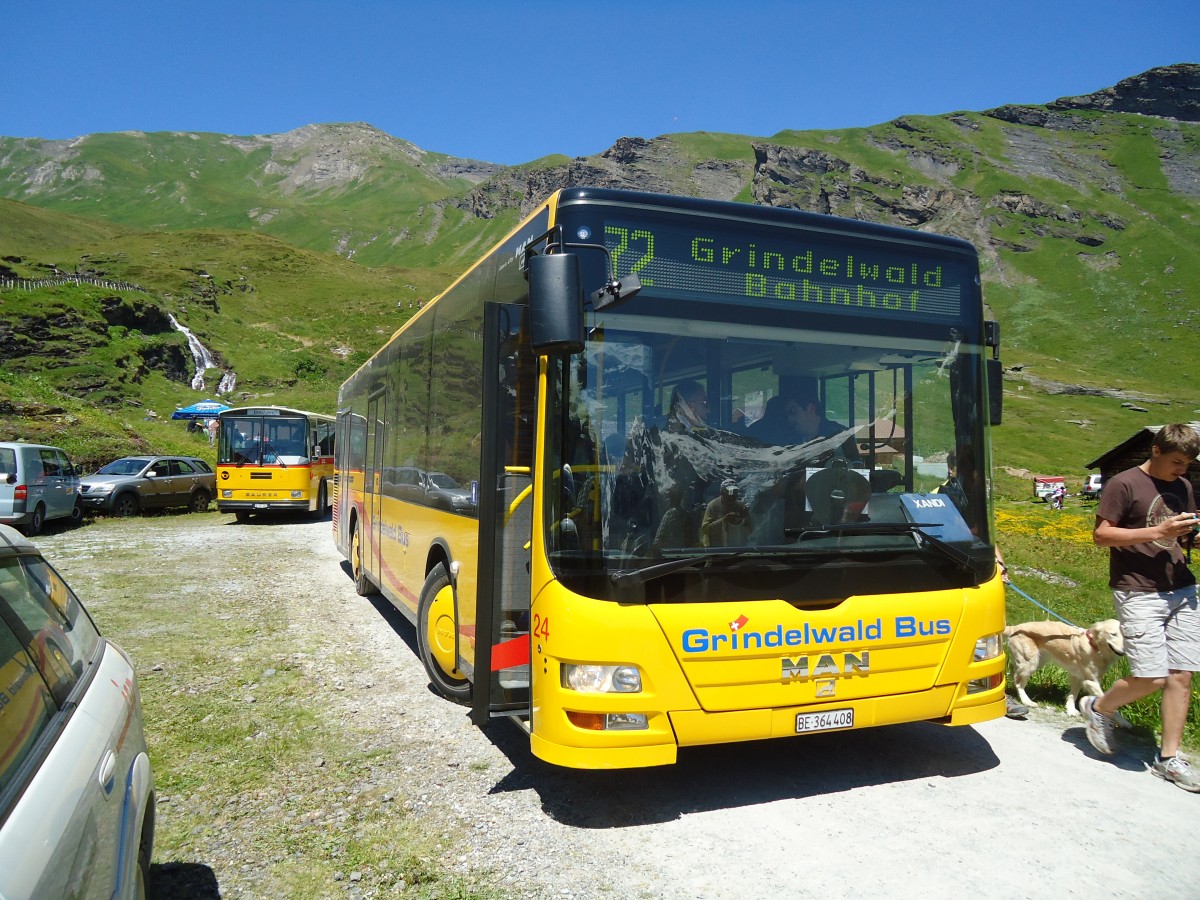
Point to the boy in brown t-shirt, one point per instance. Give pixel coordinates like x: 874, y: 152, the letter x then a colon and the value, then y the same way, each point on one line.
x: 1143, y: 514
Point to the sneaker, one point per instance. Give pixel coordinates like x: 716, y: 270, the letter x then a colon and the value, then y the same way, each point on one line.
x: 1014, y: 710
x: 1100, y: 728
x: 1178, y: 770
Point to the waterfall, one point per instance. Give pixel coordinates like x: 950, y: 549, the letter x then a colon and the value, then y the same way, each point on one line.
x: 203, y: 360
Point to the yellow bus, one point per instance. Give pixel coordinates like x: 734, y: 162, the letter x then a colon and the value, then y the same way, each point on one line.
x: 272, y: 458
x: 661, y: 472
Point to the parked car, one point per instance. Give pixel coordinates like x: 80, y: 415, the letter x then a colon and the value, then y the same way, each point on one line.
x: 37, y: 484
x: 128, y: 485
x: 77, y: 801
x: 1091, y: 487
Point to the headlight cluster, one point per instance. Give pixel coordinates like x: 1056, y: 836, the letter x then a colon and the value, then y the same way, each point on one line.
x: 593, y: 679
x: 988, y: 647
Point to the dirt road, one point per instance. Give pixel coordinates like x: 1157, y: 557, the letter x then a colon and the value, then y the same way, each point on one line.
x: 1004, y: 809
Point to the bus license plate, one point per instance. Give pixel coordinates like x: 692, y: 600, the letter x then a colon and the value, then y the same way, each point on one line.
x: 262, y: 505
x: 828, y: 720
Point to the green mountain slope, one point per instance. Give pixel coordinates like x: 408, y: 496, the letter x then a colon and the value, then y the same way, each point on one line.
x: 292, y: 257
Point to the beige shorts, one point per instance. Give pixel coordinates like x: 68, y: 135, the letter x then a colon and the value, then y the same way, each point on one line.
x: 1161, y: 630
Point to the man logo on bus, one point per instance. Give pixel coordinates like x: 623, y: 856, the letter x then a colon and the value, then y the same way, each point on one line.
x: 738, y: 624
x: 805, y: 668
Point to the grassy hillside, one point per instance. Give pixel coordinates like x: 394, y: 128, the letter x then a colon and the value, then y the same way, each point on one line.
x: 293, y: 257
x: 348, y: 189
x: 291, y: 323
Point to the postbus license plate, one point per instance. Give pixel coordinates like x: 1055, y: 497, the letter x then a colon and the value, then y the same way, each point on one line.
x: 827, y: 720
x: 262, y: 505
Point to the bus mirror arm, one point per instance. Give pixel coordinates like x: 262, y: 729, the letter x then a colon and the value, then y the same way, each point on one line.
x: 615, y: 292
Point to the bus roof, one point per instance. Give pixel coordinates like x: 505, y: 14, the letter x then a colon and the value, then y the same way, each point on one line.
x: 273, y: 411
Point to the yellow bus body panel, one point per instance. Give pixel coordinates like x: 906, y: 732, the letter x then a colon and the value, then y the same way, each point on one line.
x: 407, y: 534
x: 701, y: 685
x: 271, y: 484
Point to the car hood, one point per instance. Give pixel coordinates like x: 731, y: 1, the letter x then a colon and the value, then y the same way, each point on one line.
x: 109, y: 479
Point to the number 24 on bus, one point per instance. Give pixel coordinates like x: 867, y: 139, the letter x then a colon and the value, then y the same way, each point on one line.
x: 636, y: 503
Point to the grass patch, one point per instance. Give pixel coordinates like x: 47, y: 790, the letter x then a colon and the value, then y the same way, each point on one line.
x: 250, y: 753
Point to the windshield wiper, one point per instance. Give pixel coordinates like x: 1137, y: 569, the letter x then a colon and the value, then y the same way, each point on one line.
x: 638, y: 576
x: 268, y: 446
x: 923, y: 538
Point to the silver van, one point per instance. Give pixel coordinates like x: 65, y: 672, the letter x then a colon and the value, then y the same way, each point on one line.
x: 37, y: 484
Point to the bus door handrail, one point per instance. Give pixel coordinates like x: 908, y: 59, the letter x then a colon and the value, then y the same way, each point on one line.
x: 526, y: 492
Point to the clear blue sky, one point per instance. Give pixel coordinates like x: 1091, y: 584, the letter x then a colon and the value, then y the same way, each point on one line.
x: 510, y: 82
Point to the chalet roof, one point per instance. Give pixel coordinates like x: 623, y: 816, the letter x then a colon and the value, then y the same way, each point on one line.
x: 1140, y: 439
x: 886, y: 429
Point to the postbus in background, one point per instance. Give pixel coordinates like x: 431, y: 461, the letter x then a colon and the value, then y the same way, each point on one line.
x: 696, y: 448
x: 272, y: 458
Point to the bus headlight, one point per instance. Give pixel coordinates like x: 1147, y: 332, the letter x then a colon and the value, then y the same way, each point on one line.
x: 593, y: 679
x: 226, y: 493
x: 987, y: 647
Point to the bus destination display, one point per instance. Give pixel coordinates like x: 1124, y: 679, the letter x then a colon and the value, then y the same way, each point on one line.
x: 836, y: 277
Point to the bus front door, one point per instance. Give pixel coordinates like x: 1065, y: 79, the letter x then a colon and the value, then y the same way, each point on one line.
x: 501, y: 674
x: 376, y: 437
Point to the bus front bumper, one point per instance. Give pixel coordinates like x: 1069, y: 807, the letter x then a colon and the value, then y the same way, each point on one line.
x: 694, y: 728
x: 260, y: 505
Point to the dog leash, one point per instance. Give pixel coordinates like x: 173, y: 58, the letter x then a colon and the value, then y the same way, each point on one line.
x: 1039, y: 606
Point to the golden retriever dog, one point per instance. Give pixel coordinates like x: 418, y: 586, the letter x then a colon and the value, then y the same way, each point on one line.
x: 1085, y: 654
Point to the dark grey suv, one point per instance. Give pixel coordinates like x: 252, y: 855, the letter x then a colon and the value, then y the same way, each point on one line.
x: 128, y: 485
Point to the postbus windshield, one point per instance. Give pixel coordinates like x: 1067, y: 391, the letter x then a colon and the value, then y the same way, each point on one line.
x: 808, y: 427
x: 257, y: 440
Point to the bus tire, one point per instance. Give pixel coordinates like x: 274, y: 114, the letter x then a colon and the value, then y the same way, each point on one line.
x: 362, y: 582
x: 322, y: 502
x: 436, y: 628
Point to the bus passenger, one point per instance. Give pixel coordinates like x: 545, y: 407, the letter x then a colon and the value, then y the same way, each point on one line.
x: 776, y: 425
x: 810, y: 422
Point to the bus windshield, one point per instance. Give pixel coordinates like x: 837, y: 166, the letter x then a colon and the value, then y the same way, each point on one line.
x: 825, y: 461
x: 263, y: 440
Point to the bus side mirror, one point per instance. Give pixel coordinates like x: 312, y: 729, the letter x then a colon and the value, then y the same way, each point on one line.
x: 555, y: 304
x: 995, y: 385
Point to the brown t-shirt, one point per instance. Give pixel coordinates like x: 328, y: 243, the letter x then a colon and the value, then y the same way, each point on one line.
x: 1134, y: 499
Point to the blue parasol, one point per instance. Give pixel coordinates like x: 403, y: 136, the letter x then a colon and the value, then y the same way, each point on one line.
x: 202, y: 409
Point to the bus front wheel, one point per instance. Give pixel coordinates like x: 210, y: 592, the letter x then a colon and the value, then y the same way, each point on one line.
x: 436, y: 636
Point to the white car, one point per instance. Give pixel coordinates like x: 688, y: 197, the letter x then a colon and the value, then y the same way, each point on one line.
x: 77, y: 803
